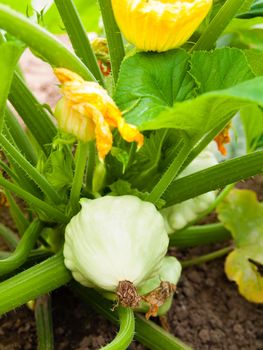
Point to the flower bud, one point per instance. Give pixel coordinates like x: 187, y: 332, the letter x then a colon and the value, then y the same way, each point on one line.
x: 159, y: 25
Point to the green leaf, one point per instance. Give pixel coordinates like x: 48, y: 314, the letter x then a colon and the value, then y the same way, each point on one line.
x: 242, y: 215
x: 58, y: 169
x: 88, y: 11
x: 157, y: 80
x: 252, y: 119
x: 197, y: 116
x: 9, y: 55
x: 162, y: 88
x: 121, y: 188
x: 219, y: 69
x: 255, y: 59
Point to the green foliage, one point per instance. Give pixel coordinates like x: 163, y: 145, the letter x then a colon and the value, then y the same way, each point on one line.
x: 252, y: 118
x: 170, y: 106
x: 242, y: 214
x: 122, y: 187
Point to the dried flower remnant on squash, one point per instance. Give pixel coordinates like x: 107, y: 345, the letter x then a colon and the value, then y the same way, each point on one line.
x: 158, y: 297
x: 159, y: 25
x: 223, y: 138
x: 87, y: 111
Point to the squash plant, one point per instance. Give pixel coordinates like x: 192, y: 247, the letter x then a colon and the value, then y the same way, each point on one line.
x: 130, y: 139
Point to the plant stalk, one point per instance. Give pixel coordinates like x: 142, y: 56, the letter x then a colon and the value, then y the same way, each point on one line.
x: 78, y: 36
x: 217, y: 176
x: 81, y: 160
x: 199, y: 235
x: 44, y: 324
x: 218, y: 25
x: 114, y: 39
x: 205, y: 258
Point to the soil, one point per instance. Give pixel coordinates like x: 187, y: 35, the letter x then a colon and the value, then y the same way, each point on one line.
x: 207, y: 311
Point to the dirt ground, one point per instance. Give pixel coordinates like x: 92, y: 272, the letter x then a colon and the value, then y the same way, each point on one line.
x: 207, y: 311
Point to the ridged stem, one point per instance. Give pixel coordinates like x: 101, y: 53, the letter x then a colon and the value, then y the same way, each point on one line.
x: 33, y: 282
x: 81, y: 160
x: 9, y: 236
x: 146, y: 332
x: 37, y: 203
x: 33, y: 114
x: 78, y: 36
x: 126, y: 333
x: 170, y: 173
x: 218, y: 25
x: 19, y: 256
x: 205, y: 258
x: 199, y: 235
x: 44, y: 324
x: 17, y: 215
x: 215, y: 177
x: 30, y: 170
x: 114, y: 38
x: 20, y: 137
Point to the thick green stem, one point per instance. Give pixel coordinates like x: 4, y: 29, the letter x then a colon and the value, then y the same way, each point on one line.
x: 218, y: 24
x: 30, y: 170
x: 170, y: 173
x: 114, y: 38
x: 20, y: 137
x: 199, y: 235
x: 44, y: 324
x: 78, y: 36
x: 33, y: 114
x: 126, y: 332
x: 10, y: 53
x: 215, y: 177
x: 90, y: 164
x: 81, y: 160
x: 41, y: 41
x: 50, y: 211
x: 19, y: 256
x: 9, y: 236
x: 17, y: 215
x: 205, y: 258
x: 146, y: 332
x: 29, y: 284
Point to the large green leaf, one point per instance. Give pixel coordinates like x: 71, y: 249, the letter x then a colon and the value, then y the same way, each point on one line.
x: 149, y: 83
x: 9, y: 55
x: 196, y: 117
x: 242, y: 214
x: 162, y: 88
x: 220, y: 69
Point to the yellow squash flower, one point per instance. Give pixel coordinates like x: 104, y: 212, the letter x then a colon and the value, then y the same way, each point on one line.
x: 87, y: 111
x: 159, y: 25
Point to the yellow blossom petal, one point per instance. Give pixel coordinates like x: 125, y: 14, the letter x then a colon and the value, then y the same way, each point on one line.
x: 159, y: 25
x: 88, y: 112
x: 223, y: 138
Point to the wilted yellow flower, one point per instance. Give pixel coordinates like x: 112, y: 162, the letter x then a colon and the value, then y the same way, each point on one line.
x: 159, y: 25
x: 87, y: 111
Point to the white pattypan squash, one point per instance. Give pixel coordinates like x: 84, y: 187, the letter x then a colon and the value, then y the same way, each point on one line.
x: 115, y: 239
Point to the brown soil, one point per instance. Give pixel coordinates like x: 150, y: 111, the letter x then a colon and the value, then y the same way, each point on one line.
x: 207, y: 311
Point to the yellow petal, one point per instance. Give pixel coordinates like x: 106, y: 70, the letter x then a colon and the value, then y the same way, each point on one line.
x: 159, y: 25
x: 86, y: 106
x: 65, y: 75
